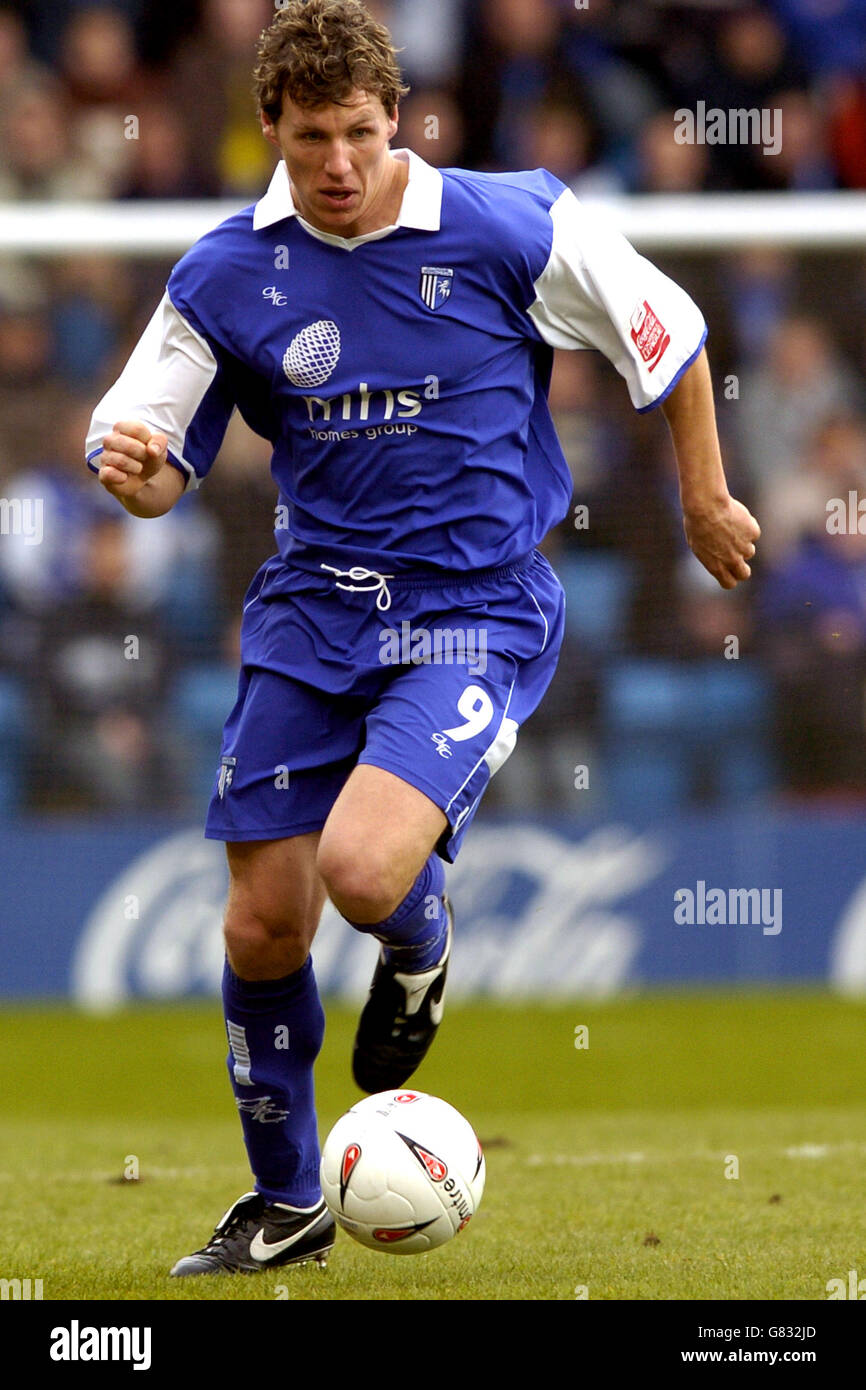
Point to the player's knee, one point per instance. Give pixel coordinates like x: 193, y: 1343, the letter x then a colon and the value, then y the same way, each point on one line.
x: 360, y: 899
x: 361, y: 887
x: 259, y: 948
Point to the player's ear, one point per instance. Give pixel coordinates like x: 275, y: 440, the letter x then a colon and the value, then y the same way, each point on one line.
x: 393, y: 123
x: 268, y: 129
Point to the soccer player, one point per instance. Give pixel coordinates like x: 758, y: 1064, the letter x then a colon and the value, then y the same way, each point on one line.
x: 390, y: 329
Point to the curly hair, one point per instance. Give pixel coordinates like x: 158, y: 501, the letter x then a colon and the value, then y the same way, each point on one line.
x: 318, y: 52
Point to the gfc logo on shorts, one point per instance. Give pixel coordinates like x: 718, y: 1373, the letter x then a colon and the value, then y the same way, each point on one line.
x: 227, y: 772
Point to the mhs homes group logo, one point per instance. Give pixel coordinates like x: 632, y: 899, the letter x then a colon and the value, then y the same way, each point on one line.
x: 373, y: 413
x: 311, y: 360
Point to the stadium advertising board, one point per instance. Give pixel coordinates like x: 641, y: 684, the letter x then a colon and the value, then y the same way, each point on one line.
x: 546, y: 909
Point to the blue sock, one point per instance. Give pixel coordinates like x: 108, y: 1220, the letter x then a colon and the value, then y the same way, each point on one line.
x: 275, y: 1030
x: 414, y: 935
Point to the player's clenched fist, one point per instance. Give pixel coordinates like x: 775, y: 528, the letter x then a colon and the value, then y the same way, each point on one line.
x: 723, y: 538
x: 132, y: 454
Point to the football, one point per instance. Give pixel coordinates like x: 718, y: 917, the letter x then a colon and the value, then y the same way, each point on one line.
x: 402, y: 1172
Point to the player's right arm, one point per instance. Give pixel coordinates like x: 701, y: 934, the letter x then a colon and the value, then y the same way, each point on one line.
x: 157, y: 430
x: 134, y: 468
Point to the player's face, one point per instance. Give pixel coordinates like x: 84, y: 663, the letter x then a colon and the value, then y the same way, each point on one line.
x: 343, y: 176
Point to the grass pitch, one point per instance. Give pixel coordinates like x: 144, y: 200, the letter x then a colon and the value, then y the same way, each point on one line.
x: 700, y: 1146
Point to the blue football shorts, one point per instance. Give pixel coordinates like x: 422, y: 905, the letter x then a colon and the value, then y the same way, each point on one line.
x: 429, y: 678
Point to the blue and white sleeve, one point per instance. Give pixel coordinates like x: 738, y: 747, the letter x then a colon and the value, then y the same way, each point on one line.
x: 175, y: 383
x: 596, y: 291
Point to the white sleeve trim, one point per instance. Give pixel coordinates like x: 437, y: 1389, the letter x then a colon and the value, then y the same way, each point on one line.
x: 596, y: 291
x: 163, y: 384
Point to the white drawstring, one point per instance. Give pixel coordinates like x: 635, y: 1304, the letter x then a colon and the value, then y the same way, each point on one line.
x: 358, y: 572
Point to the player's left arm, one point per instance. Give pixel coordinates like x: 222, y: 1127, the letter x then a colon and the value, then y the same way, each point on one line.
x: 596, y: 291
x: 719, y: 529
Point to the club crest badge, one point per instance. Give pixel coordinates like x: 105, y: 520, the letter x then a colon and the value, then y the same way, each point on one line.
x: 436, y: 282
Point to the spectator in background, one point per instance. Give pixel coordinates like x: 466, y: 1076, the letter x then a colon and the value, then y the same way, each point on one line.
x: 36, y: 578
x: 104, y: 84
x: 664, y: 166
x: 99, y: 687
x: 705, y: 619
x: 170, y: 572
x: 814, y: 612
x: 41, y: 159
x: 846, y: 116
x: 680, y: 52
x: 46, y: 19
x: 31, y: 396
x: 830, y: 34
x: 160, y: 26
x: 759, y: 282
x: 565, y: 731
x: 539, y: 776
x: 803, y: 163
x: 783, y: 401
x: 590, y: 437
x: 240, y: 497
x: 17, y: 67
x: 431, y: 122
x: 834, y: 465
x: 754, y: 64
x: 209, y: 90
x: 91, y: 299
x: 515, y: 57
x: 561, y: 136
x: 432, y: 37
x: 599, y: 52
x: 643, y: 503
x: 162, y: 164
x: 624, y: 473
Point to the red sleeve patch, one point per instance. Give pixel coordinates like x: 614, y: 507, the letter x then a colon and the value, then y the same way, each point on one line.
x: 648, y: 334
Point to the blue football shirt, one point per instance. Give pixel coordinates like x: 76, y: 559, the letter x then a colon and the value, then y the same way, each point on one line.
x: 401, y: 376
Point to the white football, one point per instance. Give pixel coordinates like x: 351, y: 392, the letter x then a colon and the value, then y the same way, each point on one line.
x: 402, y: 1172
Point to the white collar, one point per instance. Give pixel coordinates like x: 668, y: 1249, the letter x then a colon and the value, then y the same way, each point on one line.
x: 421, y: 207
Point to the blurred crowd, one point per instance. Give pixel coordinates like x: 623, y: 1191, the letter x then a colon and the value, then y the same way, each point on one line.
x: 588, y: 91
x: 118, y: 639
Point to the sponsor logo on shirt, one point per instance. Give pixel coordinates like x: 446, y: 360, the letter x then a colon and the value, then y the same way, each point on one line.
x: 356, y: 407
x: 368, y: 413
x: 648, y: 334
x: 312, y: 355
x: 356, y: 413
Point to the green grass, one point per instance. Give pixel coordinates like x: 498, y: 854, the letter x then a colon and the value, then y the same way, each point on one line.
x: 588, y: 1151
